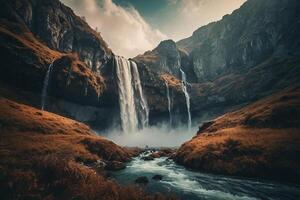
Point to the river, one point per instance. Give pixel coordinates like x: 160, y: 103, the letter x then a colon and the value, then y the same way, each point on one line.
x: 191, y: 185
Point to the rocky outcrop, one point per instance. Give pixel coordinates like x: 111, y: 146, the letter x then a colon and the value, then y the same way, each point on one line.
x: 239, y: 41
x: 236, y: 60
x: 260, y: 140
x: 167, y: 58
x: 164, y: 58
x: 60, y: 29
x: 33, y: 36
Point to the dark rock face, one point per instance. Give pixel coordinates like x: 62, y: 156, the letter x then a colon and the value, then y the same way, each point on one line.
x: 250, y: 54
x: 34, y: 34
x: 57, y: 26
x: 164, y: 58
x: 256, y: 31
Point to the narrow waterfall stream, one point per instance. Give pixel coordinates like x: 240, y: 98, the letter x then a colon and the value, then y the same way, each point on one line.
x: 133, y: 105
x: 45, y: 85
x: 187, y: 97
x: 169, y: 103
x: 141, y: 103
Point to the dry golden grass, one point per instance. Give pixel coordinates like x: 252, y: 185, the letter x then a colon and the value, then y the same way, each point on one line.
x: 260, y: 140
x: 27, y: 40
x: 81, y: 73
x: 46, y: 156
x: 171, y: 80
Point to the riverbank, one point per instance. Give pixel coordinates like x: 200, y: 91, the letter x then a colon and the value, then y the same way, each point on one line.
x: 46, y: 156
x: 259, y: 141
x: 165, y: 176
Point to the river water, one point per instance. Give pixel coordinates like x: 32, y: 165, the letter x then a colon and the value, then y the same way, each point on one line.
x: 191, y: 185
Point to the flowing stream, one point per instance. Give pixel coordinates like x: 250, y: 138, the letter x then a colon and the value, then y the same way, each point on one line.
x: 169, y: 102
x: 134, y: 112
x: 187, y: 97
x: 45, y: 85
x: 190, y: 185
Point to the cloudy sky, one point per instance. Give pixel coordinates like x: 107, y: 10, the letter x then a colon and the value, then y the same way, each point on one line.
x: 131, y: 27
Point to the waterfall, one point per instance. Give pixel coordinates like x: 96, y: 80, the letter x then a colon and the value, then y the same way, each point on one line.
x: 133, y: 105
x: 187, y: 97
x: 141, y: 103
x: 169, y: 103
x: 45, y: 85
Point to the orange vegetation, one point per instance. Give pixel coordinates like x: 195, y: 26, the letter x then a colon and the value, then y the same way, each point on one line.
x: 171, y: 80
x: 46, y: 156
x: 260, y: 140
x: 27, y: 41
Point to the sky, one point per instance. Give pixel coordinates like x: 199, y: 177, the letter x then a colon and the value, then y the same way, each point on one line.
x: 131, y: 27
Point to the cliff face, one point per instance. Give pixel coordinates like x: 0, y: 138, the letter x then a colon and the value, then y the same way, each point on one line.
x: 167, y: 58
x: 36, y: 33
x: 247, y: 55
x: 60, y: 29
x: 240, y: 41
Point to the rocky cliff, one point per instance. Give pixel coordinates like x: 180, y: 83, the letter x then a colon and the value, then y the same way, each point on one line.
x: 250, y: 35
x: 59, y: 28
x: 247, y: 55
x: 36, y: 33
x: 229, y: 63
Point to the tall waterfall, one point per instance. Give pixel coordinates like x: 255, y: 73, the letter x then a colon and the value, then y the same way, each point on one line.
x: 187, y: 97
x: 45, y: 85
x: 141, y: 103
x: 169, y: 102
x: 134, y: 111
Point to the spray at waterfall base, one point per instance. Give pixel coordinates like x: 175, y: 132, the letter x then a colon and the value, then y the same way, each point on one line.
x: 134, y: 112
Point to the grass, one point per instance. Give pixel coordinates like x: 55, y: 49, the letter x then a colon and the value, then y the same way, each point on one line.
x: 260, y: 140
x: 46, y: 156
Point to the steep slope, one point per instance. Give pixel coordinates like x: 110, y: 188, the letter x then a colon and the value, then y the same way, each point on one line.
x: 260, y: 140
x: 242, y: 40
x: 36, y: 33
x: 248, y: 55
x: 59, y: 28
x: 46, y: 156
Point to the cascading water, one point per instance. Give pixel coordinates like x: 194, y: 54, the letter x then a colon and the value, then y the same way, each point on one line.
x: 187, y: 97
x: 45, y: 85
x: 133, y: 105
x: 169, y: 103
x: 141, y: 103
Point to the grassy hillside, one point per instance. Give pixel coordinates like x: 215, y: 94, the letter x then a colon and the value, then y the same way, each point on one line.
x: 46, y: 156
x: 260, y: 140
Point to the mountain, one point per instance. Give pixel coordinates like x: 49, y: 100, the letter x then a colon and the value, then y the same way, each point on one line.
x: 250, y: 54
x: 259, y: 30
x: 36, y: 33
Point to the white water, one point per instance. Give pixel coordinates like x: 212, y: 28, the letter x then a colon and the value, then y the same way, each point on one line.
x: 133, y: 105
x: 141, y: 103
x: 187, y: 97
x: 197, y: 186
x: 156, y: 136
x: 169, y: 103
x: 45, y: 85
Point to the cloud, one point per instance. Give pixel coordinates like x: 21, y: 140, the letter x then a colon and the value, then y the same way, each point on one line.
x: 123, y: 28
x: 192, y: 14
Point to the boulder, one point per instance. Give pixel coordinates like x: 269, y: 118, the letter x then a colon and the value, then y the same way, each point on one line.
x: 142, y: 180
x: 157, y: 177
